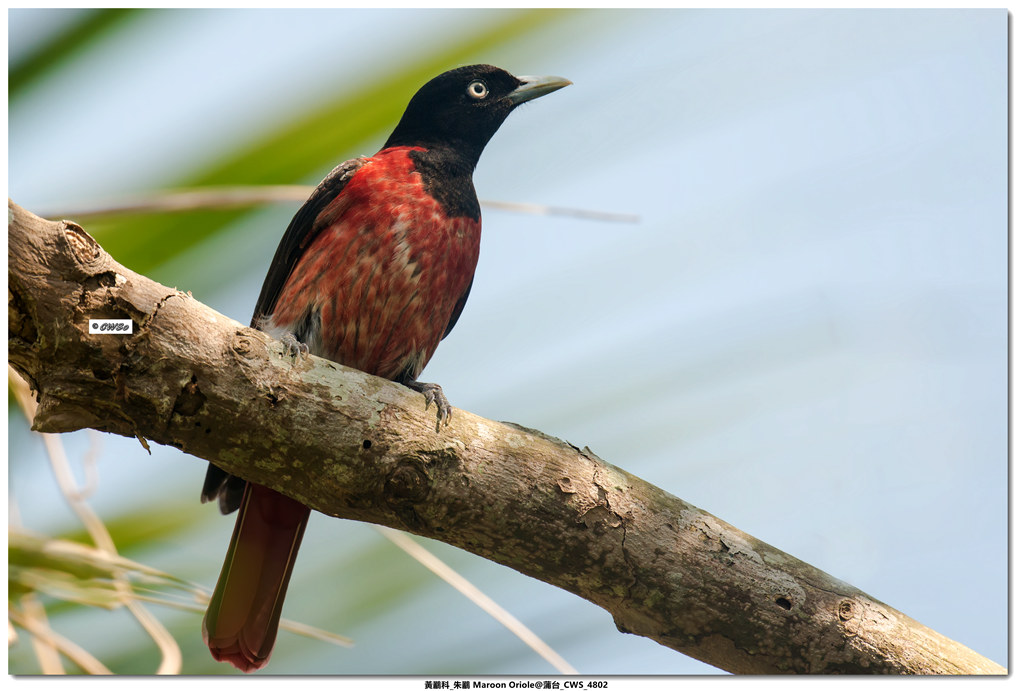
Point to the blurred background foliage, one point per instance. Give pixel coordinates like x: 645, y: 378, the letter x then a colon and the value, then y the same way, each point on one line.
x: 804, y: 334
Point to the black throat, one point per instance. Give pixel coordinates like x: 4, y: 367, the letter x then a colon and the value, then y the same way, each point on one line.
x: 448, y: 178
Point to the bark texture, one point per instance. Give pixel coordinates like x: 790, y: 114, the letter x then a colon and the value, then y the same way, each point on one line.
x: 359, y: 447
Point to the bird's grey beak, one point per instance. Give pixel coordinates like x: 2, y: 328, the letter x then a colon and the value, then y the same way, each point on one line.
x: 535, y: 87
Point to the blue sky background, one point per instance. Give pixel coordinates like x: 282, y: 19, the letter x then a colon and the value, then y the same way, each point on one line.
x: 805, y: 333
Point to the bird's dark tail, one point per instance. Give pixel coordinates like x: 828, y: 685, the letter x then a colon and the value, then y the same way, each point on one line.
x: 241, y: 623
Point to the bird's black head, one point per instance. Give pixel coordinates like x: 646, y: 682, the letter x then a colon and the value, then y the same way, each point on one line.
x: 461, y: 109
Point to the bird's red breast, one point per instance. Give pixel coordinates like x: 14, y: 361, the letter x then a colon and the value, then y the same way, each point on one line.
x: 384, y: 275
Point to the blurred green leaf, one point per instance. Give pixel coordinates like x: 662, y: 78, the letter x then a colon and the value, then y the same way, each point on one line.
x: 93, y: 592
x: 137, y: 531
x: 49, y: 56
x: 27, y: 551
x: 76, y: 572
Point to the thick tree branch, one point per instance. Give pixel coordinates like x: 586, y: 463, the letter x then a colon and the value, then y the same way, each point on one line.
x: 360, y: 447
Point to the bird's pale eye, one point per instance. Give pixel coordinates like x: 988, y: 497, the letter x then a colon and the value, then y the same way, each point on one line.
x: 477, y: 89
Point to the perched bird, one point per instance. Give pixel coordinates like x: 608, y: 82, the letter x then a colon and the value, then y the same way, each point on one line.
x: 372, y: 272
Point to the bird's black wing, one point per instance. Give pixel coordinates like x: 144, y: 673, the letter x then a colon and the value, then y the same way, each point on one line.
x: 300, y: 234
x: 457, y: 310
x: 219, y: 485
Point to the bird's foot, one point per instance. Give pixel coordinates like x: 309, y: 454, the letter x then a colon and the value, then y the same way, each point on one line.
x: 434, y: 394
x: 293, y: 346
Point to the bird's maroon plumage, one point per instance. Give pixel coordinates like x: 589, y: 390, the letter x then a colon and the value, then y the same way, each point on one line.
x: 372, y: 272
x: 397, y: 286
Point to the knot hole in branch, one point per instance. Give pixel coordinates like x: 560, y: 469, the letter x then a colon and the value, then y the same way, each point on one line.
x: 190, y: 399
